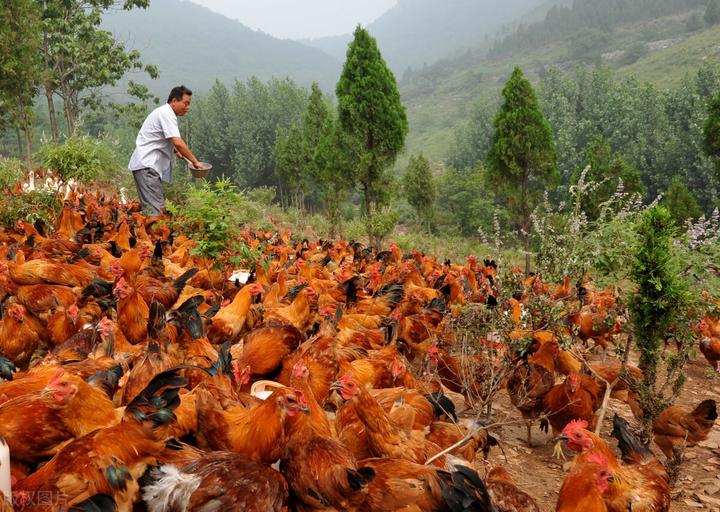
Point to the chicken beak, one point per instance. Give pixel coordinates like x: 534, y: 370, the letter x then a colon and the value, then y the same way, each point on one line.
x: 611, y: 479
x: 560, y: 438
x: 304, y: 409
x: 335, y: 386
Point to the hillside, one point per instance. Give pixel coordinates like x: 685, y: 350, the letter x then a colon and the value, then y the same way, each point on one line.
x: 661, y: 50
x: 419, y: 32
x: 195, y: 46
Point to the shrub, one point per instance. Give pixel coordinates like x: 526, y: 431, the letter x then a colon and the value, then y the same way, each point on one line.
x: 213, y: 216
x: 83, y: 158
x: 30, y: 207
x: 11, y: 170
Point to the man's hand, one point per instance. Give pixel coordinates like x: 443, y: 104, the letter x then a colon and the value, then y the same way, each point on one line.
x: 198, y: 165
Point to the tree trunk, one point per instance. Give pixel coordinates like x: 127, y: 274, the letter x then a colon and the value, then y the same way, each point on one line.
x: 19, y: 141
x: 69, y: 117
x: 527, y: 253
x: 28, y: 138
x: 526, y: 222
x: 51, y: 113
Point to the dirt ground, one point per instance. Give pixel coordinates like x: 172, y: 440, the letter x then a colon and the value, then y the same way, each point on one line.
x: 538, y: 473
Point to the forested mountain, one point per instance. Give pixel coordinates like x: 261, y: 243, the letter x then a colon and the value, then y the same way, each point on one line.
x: 419, y: 32
x: 193, y: 45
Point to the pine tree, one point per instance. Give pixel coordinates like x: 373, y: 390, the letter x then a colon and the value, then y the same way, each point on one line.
x: 289, y: 163
x: 419, y: 189
x: 522, y: 161
x: 607, y: 171
x: 711, y: 132
x: 680, y: 202
x: 314, y: 120
x: 712, y: 12
x: 371, y: 114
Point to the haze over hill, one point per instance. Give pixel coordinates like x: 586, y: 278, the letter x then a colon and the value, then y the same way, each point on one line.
x: 418, y: 32
x: 191, y: 44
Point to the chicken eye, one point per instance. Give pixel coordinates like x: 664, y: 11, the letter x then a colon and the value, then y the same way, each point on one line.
x: 577, y: 436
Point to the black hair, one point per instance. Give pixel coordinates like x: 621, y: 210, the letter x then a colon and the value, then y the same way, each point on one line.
x: 178, y: 92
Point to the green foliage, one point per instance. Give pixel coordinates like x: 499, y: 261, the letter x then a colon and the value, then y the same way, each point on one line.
x: 290, y: 164
x: 712, y: 12
x: 658, y: 133
x: 11, y: 170
x: 381, y: 224
x: 213, y: 216
x: 372, y: 116
x: 83, y: 158
x: 695, y: 22
x: 419, y: 188
x: 587, y: 45
x: 608, y: 172
x: 472, y: 140
x: 30, y: 207
x: 522, y: 160
x: 635, y: 52
x: 711, y: 132
x: 467, y: 206
x: 680, y: 202
x: 661, y: 301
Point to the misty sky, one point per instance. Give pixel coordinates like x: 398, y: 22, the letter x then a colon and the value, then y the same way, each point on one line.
x: 297, y: 19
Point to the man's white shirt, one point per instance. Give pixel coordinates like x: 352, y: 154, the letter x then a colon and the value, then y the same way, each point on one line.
x: 153, y: 148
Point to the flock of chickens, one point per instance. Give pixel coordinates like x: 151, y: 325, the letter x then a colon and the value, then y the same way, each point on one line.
x: 135, y: 376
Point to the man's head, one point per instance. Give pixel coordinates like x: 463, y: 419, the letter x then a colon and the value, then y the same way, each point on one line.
x: 179, y: 100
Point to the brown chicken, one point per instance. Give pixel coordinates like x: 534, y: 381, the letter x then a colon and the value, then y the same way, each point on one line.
x: 230, y: 320
x: 405, y: 486
x: 532, y: 378
x: 107, y: 461
x: 68, y: 407
x: 575, y: 399
x: 641, y: 483
x: 263, y: 351
x: 133, y: 312
x: 321, y: 471
x: 585, y: 487
x: 259, y: 432
x: 216, y: 481
x: 20, y: 334
x: 506, y: 495
x: 385, y: 438
x: 676, y: 428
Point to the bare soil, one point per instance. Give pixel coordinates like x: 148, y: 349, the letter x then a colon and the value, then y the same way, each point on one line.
x: 538, y: 473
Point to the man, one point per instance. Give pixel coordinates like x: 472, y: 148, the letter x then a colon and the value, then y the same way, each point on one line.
x: 159, y: 136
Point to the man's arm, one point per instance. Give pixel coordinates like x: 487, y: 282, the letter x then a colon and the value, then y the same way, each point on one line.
x: 184, y: 151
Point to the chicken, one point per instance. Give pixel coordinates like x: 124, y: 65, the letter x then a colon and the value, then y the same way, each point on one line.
x: 259, y: 432
x: 64, y: 323
x: 676, y: 428
x: 109, y: 460
x: 405, y: 486
x: 42, y: 271
x: 575, y: 399
x: 216, y: 481
x: 300, y: 380
x: 68, y: 407
x: 446, y: 434
x: 298, y: 313
x: 264, y: 349
x: 594, y: 322
x: 506, y: 495
x: 385, y: 437
x: 532, y: 378
x: 641, y: 483
x: 133, y: 312
x: 586, y: 485
x: 20, y: 334
x: 230, y: 320
x: 166, y: 293
x: 710, y: 347
x: 39, y: 299
x: 321, y: 471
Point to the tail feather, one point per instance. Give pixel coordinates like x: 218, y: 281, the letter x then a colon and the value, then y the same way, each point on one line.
x: 181, y: 281
x: 706, y: 410
x: 629, y: 444
x: 442, y: 405
x: 466, y: 492
x: 107, y: 380
x: 393, y: 293
x: 97, y: 288
x: 158, y: 400
x: 360, y: 478
x: 7, y: 368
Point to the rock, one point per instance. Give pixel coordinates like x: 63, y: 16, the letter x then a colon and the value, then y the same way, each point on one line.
x: 690, y: 456
x: 693, y: 504
x: 708, y: 500
x: 709, y: 444
x: 714, y: 460
x: 709, y: 468
x: 567, y: 466
x: 712, y: 489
